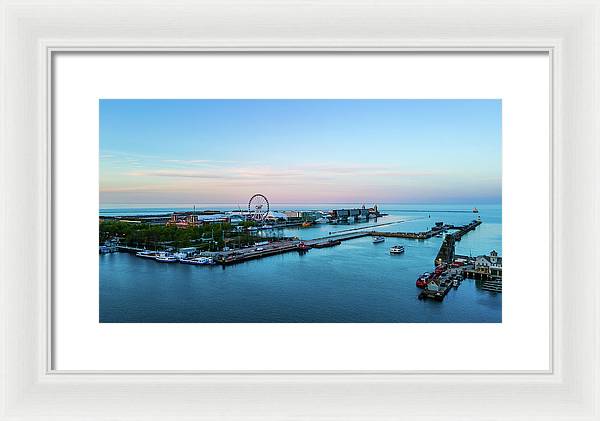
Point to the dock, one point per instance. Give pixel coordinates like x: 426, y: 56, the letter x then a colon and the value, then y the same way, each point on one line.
x: 250, y: 253
x: 463, y: 229
x: 492, y: 285
x: 410, y: 235
x: 489, y: 282
x: 341, y: 237
x: 437, y: 290
x: 447, y: 251
x: 438, y: 293
x: 128, y: 249
x: 446, y: 254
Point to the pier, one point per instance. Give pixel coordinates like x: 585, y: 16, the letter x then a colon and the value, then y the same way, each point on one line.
x: 464, y: 229
x: 249, y: 253
x: 128, y: 249
x: 341, y: 237
x: 436, y: 293
x: 447, y: 249
x: 408, y: 235
x: 372, y: 226
x: 489, y: 282
x: 438, y: 286
x: 446, y: 252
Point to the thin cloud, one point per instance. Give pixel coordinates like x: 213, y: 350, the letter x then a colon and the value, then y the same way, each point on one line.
x: 198, y: 161
x: 266, y: 173
x: 235, y: 174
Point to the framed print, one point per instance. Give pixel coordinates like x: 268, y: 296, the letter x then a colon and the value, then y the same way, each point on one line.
x: 278, y: 241
x: 299, y: 211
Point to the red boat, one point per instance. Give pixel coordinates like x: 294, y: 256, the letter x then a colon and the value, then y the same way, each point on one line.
x: 424, y: 279
x: 421, y: 283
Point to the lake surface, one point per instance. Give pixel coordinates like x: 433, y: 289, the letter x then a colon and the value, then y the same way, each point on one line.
x: 355, y: 282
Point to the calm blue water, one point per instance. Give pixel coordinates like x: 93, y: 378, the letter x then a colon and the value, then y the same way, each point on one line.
x: 357, y: 281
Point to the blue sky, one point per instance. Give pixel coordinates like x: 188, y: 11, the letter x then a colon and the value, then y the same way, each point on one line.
x: 300, y: 151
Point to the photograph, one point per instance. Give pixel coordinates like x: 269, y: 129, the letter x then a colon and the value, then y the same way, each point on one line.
x: 300, y: 210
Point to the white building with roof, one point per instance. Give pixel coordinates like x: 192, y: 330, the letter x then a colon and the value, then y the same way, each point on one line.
x: 491, y: 265
x: 274, y: 216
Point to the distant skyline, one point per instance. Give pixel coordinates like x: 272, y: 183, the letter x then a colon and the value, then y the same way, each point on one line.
x: 300, y: 151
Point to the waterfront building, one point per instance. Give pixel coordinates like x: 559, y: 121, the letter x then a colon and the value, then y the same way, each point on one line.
x: 491, y: 265
x: 345, y: 214
x: 276, y: 216
x: 184, y: 220
x: 185, y: 252
x: 235, y: 218
x: 297, y: 216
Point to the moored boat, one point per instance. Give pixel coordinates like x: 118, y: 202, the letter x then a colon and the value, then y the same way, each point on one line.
x: 423, y: 279
x: 197, y: 261
x: 146, y: 253
x: 421, y: 283
x: 164, y: 257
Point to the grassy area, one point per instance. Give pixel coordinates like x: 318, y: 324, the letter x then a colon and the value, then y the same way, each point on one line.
x: 208, y: 237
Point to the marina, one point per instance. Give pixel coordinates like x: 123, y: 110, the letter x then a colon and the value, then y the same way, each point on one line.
x: 295, y: 244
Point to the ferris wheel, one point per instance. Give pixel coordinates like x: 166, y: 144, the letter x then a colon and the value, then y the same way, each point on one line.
x: 258, y: 207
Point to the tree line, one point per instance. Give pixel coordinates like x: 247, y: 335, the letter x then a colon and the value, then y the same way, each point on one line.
x: 206, y: 237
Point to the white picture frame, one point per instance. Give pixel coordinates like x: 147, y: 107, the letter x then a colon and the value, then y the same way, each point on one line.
x: 32, y: 32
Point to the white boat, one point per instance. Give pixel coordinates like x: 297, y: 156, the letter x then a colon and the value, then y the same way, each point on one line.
x: 197, y: 261
x: 475, y: 210
x: 164, y: 257
x: 146, y: 254
x: 378, y: 240
x: 397, y: 250
x: 455, y: 283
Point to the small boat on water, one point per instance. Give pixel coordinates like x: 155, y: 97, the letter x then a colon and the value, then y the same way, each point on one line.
x: 164, y: 257
x: 455, y: 283
x: 378, y: 240
x: 397, y: 250
x: 306, y: 224
x: 475, y: 210
x: 197, y: 261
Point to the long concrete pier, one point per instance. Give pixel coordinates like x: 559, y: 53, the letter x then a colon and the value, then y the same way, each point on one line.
x: 249, y: 253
